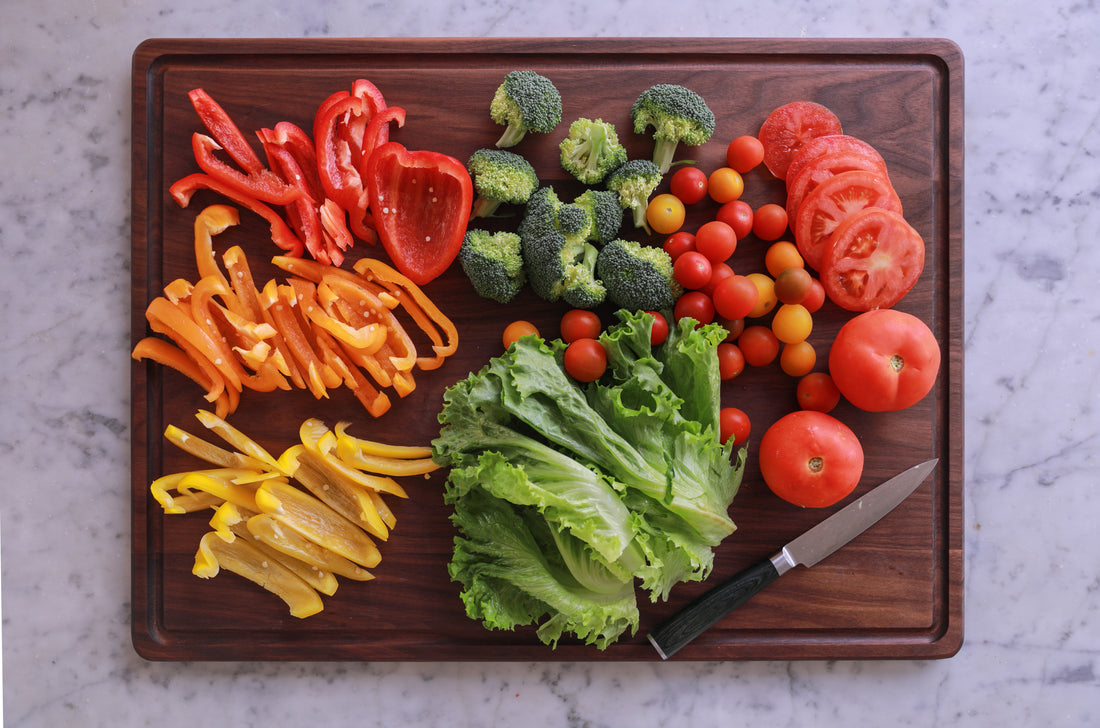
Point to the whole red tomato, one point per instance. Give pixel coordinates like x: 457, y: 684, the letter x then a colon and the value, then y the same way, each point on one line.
x: 810, y: 459
x: 884, y: 360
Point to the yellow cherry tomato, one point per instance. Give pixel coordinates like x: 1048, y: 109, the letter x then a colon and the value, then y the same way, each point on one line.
x: 665, y: 213
x: 798, y: 360
x: 782, y: 255
x: 517, y: 330
x: 725, y: 185
x: 792, y: 323
x: 765, y: 298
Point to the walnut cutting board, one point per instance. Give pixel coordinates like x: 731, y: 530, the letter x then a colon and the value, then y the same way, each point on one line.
x: 894, y: 592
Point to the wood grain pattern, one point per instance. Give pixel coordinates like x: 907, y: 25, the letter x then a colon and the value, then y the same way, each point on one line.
x: 895, y: 592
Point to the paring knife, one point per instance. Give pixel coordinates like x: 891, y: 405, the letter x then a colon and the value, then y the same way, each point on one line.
x: 808, y: 549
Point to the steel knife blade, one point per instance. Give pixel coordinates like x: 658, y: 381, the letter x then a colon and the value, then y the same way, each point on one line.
x: 807, y: 550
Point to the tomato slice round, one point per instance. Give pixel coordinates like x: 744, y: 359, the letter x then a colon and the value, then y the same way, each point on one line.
x: 802, y: 181
x: 832, y: 202
x: 872, y: 260
x: 789, y: 127
x: 830, y: 144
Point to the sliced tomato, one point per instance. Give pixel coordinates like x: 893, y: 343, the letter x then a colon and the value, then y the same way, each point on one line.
x: 830, y: 144
x: 814, y: 171
x: 789, y: 127
x: 832, y: 202
x: 872, y: 260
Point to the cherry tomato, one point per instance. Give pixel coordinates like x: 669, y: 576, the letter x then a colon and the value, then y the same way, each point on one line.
x: 738, y: 215
x: 659, y: 331
x: 733, y: 424
x: 578, y: 323
x: 780, y: 256
x: 793, y: 284
x: 815, y: 299
x: 718, y: 273
x: 831, y: 203
x: 692, y: 269
x: 733, y: 328
x: 810, y: 459
x: 731, y: 361
x: 679, y: 243
x: 665, y: 213
x: 689, y: 184
x: 816, y: 391
x: 769, y: 222
x: 874, y: 259
x: 585, y: 360
x: 792, y: 323
x: 759, y: 345
x: 765, y: 298
x: 744, y: 153
x: 725, y: 185
x: 789, y: 127
x: 798, y: 359
x: 884, y: 360
x: 716, y: 240
x: 696, y: 305
x: 517, y: 330
x: 736, y: 297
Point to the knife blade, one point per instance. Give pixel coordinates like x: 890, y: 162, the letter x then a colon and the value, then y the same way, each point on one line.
x: 807, y: 550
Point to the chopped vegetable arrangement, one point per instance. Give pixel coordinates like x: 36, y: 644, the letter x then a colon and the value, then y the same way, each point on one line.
x: 579, y: 467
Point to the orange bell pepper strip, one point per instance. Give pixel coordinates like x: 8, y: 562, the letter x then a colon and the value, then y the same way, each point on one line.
x: 211, y: 221
x: 336, y: 355
x: 172, y: 356
x: 177, y: 323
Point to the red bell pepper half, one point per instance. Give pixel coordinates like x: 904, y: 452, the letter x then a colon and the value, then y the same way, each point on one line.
x: 421, y: 202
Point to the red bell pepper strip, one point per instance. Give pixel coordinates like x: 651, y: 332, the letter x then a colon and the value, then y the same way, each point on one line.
x: 265, y: 186
x: 281, y: 234
x: 422, y: 203
x: 225, y: 131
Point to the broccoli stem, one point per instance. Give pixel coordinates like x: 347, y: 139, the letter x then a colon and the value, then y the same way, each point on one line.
x: 639, y: 218
x: 484, y: 207
x: 513, y: 133
x: 663, y: 152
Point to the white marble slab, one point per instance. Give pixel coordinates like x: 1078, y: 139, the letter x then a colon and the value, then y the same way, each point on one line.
x: 1032, y: 425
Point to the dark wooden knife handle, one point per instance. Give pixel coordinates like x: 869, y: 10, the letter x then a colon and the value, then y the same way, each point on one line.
x: 698, y: 616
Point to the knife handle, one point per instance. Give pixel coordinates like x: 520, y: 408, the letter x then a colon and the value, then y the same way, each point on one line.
x: 709, y: 607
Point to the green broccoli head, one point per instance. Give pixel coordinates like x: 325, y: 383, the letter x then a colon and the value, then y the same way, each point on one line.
x: 493, y: 263
x: 552, y: 241
x: 635, y: 181
x: 677, y: 115
x: 637, y: 277
x: 592, y: 150
x: 605, y: 214
x: 499, y: 177
x: 581, y: 288
x: 525, y: 101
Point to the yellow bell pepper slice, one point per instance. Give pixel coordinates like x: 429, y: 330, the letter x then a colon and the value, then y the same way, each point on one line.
x: 211, y: 453
x: 244, y: 559
x: 288, y: 541
x: 348, y: 499
x: 380, y: 449
x: 240, y: 494
x: 237, y: 439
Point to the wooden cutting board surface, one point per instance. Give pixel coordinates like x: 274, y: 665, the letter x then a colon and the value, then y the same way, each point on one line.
x: 894, y: 592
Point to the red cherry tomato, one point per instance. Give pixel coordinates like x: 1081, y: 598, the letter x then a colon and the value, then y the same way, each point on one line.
x: 736, y: 297
x: 759, y: 345
x: 718, y: 273
x: 874, y: 258
x: 679, y: 243
x: 578, y: 323
x: 769, y: 222
x: 696, y: 305
x: 738, y: 215
x: 810, y: 459
x: 733, y: 424
x: 884, y: 360
x: 789, y: 127
x: 692, y: 269
x: 716, y: 240
x: 793, y: 284
x: 659, y: 331
x: 731, y: 361
x: 815, y: 299
x: 585, y: 360
x: 744, y: 153
x: 689, y: 184
x: 817, y: 391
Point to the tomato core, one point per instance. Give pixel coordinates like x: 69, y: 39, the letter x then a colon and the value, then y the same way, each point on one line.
x: 897, y: 363
x: 815, y: 464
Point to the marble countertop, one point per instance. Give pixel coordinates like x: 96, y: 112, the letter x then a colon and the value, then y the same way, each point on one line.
x: 1032, y: 649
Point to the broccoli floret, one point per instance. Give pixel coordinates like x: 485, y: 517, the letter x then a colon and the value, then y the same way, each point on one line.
x: 500, y: 176
x: 637, y: 277
x: 493, y: 263
x: 592, y: 150
x: 677, y: 114
x: 525, y: 101
x: 605, y: 214
x: 555, y: 254
x: 635, y: 181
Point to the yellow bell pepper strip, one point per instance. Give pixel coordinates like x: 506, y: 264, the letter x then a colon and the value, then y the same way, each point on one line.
x: 381, y: 449
x: 347, y: 499
x: 351, y: 454
x: 244, y: 444
x: 316, y: 521
x: 188, y: 502
x: 244, y: 559
x: 211, y: 453
x: 230, y: 523
x: 170, y: 355
x: 222, y: 485
x: 288, y: 541
x: 183, y: 190
x: 383, y: 510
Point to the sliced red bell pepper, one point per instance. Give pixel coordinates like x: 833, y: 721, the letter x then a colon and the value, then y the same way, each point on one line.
x: 421, y: 202
x: 265, y: 185
x: 225, y: 131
